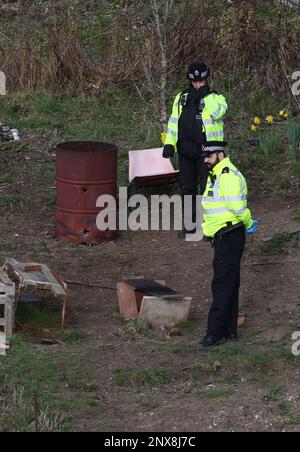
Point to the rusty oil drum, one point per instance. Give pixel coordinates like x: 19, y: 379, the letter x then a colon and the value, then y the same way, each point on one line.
x: 84, y: 171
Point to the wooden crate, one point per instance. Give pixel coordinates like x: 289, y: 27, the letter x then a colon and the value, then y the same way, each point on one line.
x: 32, y: 277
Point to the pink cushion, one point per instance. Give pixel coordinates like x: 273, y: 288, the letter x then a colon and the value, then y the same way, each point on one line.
x: 149, y: 162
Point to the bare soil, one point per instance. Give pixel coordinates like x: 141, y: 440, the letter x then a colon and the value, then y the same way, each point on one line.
x: 232, y: 395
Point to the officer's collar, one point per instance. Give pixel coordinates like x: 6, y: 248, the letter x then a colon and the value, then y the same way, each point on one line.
x: 220, y: 166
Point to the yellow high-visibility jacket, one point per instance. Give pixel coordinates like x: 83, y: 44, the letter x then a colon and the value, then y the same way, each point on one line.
x: 214, y: 109
x: 225, y: 199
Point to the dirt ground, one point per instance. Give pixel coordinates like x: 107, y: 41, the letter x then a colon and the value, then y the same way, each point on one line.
x: 250, y: 386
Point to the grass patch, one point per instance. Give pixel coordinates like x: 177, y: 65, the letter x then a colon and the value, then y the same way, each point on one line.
x: 171, y: 347
x: 190, y: 326
x: 82, y: 117
x: 74, y: 337
x: 214, y: 394
x: 38, y: 315
x: 49, y: 200
x: 7, y: 178
x: 259, y: 361
x: 279, y: 244
x: 27, y: 373
x: 255, y: 359
x: 23, y: 414
x: 138, y: 328
x: 287, y: 413
x: 235, y: 360
x: 158, y: 377
x: 12, y: 201
x: 46, y: 170
x: 45, y: 385
x: 153, y: 378
x: 274, y: 395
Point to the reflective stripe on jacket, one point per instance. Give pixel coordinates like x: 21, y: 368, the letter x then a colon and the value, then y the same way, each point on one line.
x: 225, y: 199
x: 215, y: 107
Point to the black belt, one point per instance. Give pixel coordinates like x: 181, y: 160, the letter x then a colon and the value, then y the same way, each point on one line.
x: 229, y: 228
x: 226, y: 230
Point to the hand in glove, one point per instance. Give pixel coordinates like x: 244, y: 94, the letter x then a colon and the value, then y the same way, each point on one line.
x: 253, y: 229
x: 168, y: 151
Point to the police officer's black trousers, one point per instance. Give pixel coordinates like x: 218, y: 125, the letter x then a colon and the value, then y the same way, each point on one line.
x: 192, y: 173
x: 223, y: 316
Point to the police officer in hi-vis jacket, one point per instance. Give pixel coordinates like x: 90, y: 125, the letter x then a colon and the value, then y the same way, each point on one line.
x: 227, y: 222
x: 197, y: 117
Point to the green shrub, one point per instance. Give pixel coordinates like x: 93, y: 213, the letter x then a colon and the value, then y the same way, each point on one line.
x: 293, y: 132
x: 269, y: 145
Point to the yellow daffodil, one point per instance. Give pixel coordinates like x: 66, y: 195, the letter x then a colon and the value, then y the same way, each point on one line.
x: 253, y: 128
x: 270, y: 119
x: 163, y: 137
x: 286, y: 116
x: 257, y: 121
x: 282, y: 113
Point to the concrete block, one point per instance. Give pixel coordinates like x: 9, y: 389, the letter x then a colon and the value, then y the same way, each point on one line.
x: 165, y: 312
x: 153, y: 302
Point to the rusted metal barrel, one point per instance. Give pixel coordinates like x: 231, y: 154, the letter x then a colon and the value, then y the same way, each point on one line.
x: 84, y: 171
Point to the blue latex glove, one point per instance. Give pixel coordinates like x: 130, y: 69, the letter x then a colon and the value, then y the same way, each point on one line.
x: 253, y: 229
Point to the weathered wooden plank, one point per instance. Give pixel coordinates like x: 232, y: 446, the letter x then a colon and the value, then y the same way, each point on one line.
x: 38, y: 285
x: 128, y: 303
x: 18, y: 266
x: 56, y: 288
x: 32, y: 267
x: 5, y: 283
x: 9, y: 316
x: 33, y: 276
x: 3, y: 288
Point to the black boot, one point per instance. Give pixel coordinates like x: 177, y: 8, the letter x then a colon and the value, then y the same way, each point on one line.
x: 211, y: 341
x: 233, y: 337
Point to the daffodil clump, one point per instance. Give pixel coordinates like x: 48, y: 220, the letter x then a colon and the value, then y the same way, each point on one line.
x: 282, y: 116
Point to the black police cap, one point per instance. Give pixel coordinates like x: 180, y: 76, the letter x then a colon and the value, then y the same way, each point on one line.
x: 198, y: 71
